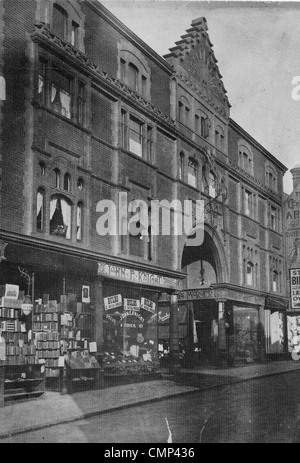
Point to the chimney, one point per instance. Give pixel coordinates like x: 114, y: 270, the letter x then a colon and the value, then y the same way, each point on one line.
x: 296, y: 176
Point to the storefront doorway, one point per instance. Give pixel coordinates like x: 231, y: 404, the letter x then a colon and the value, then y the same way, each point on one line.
x: 205, y: 332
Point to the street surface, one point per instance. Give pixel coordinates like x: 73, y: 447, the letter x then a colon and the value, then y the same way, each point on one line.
x: 264, y: 410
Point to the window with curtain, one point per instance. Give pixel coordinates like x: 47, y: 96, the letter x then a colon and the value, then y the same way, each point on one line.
x: 181, y: 166
x: 275, y: 281
x: 61, y: 98
x: 75, y: 34
x: 67, y: 182
x: 79, y: 222
x: 42, y: 82
x: 40, y: 209
x: 60, y: 22
x: 57, y: 177
x: 60, y: 217
x: 250, y: 274
x: 212, y: 185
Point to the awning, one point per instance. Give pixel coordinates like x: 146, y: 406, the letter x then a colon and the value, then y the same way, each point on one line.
x: 276, y: 304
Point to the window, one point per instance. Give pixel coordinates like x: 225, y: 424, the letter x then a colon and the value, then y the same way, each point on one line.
x: 144, y: 86
x: 61, y: 99
x: 204, y: 127
x: 275, y: 222
x: 67, y: 182
x: 181, y: 166
x: 42, y: 167
x: 81, y: 103
x: 133, y: 77
x: 124, y: 128
x: 40, y: 210
x: 250, y: 274
x: 149, y: 143
x: 219, y: 138
x: 123, y: 70
x: 60, y: 217
x: 245, y: 159
x: 136, y: 136
x: 136, y: 244
x: 57, y: 178
x: 184, y: 112
x: 192, y: 173
x: 75, y: 34
x: 271, y: 179
x: 42, y: 82
x: 80, y: 184
x: 197, y: 123
x: 212, y: 185
x: 275, y: 285
x: 79, y: 221
x: 249, y: 204
x: 60, y: 22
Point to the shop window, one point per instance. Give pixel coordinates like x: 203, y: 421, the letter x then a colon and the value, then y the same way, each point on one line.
x: 181, y: 166
x: 60, y: 22
x: 40, y: 210
x: 61, y: 98
x: 67, y: 183
x: 133, y: 77
x: 250, y: 274
x: 57, y: 175
x: 75, y: 34
x: 60, y: 217
x: 79, y: 221
x: 193, y: 173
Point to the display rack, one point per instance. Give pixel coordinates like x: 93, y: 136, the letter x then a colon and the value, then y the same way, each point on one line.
x: 83, y: 373
x: 46, y: 328
x: 23, y: 374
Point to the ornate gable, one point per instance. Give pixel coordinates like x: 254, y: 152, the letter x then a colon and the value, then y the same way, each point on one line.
x: 194, y: 53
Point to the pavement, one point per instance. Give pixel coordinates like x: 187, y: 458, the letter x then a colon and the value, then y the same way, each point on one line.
x: 53, y: 408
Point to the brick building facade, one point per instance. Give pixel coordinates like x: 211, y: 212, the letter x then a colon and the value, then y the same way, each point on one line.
x: 91, y: 113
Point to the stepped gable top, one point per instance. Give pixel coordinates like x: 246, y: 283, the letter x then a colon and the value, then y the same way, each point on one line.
x: 195, y: 54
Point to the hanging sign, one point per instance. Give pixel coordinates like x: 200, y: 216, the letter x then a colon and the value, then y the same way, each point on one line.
x: 11, y: 292
x: 148, y: 305
x: 113, y: 302
x: 295, y: 288
x: 132, y: 304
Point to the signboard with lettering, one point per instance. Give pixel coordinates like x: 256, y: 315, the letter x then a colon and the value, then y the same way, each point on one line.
x: 148, y: 305
x: 136, y: 276
x: 292, y: 226
x: 132, y: 304
x: 113, y: 302
x: 295, y: 288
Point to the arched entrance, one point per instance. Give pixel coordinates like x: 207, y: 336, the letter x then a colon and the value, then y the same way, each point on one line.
x: 205, y: 266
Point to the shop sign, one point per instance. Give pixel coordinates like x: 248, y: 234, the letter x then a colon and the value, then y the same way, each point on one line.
x: 133, y: 314
x: 136, y: 276
x: 148, y: 305
x: 132, y: 304
x: 113, y: 302
x: 295, y: 288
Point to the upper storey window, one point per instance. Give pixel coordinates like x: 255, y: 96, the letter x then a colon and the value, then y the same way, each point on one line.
x: 271, y: 178
x: 246, y: 159
x: 184, y: 111
x: 219, y: 138
x: 60, y: 22
x: 134, y: 70
x: 61, y: 97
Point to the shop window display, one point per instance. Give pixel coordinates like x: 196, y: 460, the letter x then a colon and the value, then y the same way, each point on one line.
x: 246, y: 334
x: 130, y: 335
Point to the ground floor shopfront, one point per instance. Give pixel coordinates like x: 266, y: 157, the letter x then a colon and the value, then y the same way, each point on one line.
x: 225, y: 325
x: 87, y: 314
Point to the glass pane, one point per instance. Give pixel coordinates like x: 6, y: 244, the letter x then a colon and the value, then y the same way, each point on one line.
x: 40, y: 211
x: 60, y: 218
x: 79, y: 223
